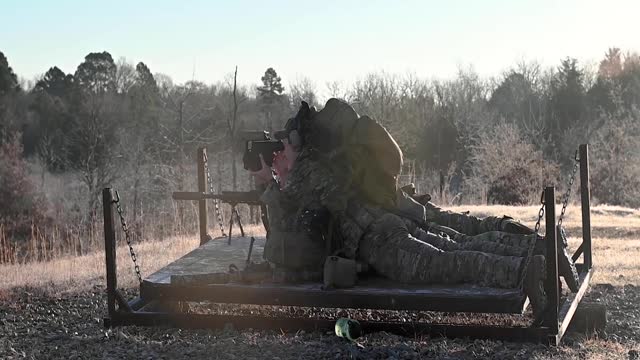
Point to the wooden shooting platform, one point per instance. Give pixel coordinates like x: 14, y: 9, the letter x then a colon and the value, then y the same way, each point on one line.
x: 215, y: 256
x: 372, y: 292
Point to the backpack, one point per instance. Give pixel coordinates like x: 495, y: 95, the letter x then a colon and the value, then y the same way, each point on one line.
x: 372, y: 157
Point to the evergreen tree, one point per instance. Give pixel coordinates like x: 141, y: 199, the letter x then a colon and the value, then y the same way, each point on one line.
x: 55, y: 83
x: 272, y: 100
x: 601, y: 93
x: 630, y: 81
x: 52, y: 118
x: 10, y: 109
x: 271, y: 85
x: 568, y: 98
x: 8, y: 79
x: 97, y: 74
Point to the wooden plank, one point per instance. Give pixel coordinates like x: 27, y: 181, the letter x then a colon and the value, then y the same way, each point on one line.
x: 359, y: 297
x: 214, y: 256
x: 372, y: 292
x: 188, y: 195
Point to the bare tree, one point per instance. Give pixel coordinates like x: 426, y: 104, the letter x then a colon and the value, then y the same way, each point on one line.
x: 302, y: 90
x: 95, y: 147
x: 338, y: 90
x: 188, y: 126
x: 232, y: 123
x: 125, y: 76
x: 232, y: 98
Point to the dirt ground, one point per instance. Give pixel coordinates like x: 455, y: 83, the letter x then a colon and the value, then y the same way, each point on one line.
x: 61, y: 316
x: 38, y: 325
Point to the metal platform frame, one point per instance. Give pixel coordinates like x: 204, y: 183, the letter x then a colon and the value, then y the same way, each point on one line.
x: 122, y: 312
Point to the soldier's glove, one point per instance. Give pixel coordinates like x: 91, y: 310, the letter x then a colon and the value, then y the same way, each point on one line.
x: 507, y: 224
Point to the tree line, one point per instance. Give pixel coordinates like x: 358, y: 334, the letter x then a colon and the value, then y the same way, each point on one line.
x: 465, y: 139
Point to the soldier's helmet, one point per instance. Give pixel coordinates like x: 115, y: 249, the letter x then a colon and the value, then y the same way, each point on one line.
x: 294, y: 129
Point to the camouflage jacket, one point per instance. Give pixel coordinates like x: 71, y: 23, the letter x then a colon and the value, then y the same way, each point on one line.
x: 299, y: 213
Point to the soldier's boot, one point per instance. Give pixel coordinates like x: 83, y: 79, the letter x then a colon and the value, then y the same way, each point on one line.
x: 511, y: 226
x: 534, y: 287
x: 566, y: 266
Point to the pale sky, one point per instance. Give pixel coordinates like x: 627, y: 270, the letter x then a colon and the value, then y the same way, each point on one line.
x: 322, y: 40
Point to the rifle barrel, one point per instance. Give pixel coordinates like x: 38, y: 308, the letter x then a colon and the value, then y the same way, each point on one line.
x: 230, y: 197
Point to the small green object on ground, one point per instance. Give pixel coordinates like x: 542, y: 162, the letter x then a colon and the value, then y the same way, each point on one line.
x: 348, y: 328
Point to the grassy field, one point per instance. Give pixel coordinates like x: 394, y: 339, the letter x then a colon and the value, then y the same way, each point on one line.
x: 616, y: 254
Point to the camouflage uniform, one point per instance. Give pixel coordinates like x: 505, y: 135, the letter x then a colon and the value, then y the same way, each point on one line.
x: 450, y: 248
x: 466, y: 230
x: 397, y: 248
x: 298, y: 214
x: 461, y: 248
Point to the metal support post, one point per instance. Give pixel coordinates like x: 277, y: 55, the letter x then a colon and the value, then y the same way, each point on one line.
x: 233, y: 208
x: 110, y: 250
x: 585, y: 193
x: 202, y: 188
x: 551, y: 260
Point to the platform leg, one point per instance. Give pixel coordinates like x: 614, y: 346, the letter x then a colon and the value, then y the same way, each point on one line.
x: 202, y: 188
x: 585, y: 197
x: 233, y: 208
x: 110, y: 250
x: 551, y: 261
x: 239, y: 221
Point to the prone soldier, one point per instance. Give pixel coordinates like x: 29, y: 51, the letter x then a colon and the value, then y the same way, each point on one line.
x: 379, y: 225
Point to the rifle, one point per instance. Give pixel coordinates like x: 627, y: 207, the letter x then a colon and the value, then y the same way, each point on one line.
x: 230, y: 197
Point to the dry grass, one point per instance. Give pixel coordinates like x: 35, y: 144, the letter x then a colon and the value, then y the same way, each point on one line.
x: 602, y: 216
x: 82, y: 272
x: 616, y: 251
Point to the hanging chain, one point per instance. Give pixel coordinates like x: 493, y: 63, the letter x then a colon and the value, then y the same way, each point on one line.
x: 540, y: 214
x: 216, y: 202
x: 533, y: 243
x: 127, y: 236
x: 565, y: 203
x: 567, y: 194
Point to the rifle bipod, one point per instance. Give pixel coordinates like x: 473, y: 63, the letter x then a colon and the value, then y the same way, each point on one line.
x: 234, y: 210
